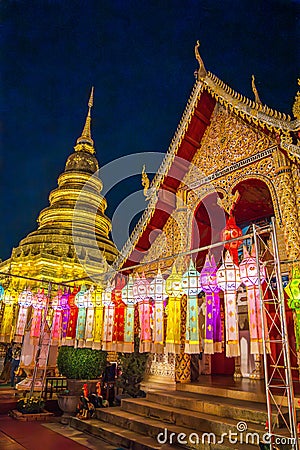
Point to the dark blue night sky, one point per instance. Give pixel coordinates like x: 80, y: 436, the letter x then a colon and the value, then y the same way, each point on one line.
x: 140, y: 56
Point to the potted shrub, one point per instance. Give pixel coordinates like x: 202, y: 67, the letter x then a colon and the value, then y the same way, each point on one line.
x: 80, y: 366
x: 131, y: 372
x: 30, y: 405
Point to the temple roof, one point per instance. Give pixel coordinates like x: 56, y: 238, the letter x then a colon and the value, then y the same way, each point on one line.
x: 207, y: 91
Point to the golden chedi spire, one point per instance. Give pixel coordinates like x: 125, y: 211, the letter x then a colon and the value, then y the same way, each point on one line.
x: 85, y: 141
x: 74, y: 227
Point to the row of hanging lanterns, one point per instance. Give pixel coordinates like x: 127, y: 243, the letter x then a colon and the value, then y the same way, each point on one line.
x: 91, y: 318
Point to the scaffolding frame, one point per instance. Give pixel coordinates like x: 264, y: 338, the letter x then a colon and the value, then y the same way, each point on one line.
x: 278, y: 373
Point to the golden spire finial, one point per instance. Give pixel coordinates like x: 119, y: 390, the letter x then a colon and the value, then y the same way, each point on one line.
x: 85, y: 141
x: 255, y: 91
x: 296, y: 105
x: 201, y: 73
x: 145, y: 181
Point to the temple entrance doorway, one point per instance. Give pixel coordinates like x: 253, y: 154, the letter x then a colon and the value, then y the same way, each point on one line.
x: 254, y: 206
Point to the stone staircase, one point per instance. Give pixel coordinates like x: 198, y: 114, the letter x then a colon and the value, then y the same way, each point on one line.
x: 178, y: 419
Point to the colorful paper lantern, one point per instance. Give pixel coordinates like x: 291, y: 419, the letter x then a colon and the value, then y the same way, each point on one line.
x: 141, y: 293
x: 213, y: 328
x: 81, y: 303
x: 158, y: 294
x: 98, y: 319
x: 108, y: 319
x: 65, y: 315
x: 90, y: 303
x: 232, y: 231
x: 191, y: 288
x: 293, y: 291
x: 249, y: 276
x: 1, y: 292
x: 119, y: 321
x: 24, y: 301
x: 71, y: 329
x: 56, y: 330
x: 39, y: 303
x: 228, y: 278
x: 129, y: 300
x: 10, y: 301
x: 173, y: 310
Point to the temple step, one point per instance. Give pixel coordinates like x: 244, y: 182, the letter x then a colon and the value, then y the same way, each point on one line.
x: 213, y: 405
x: 124, y: 438
x: 203, y: 422
x: 173, y: 433
x: 232, y: 392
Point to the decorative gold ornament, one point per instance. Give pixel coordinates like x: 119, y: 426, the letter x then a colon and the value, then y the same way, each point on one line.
x: 255, y: 92
x: 296, y: 106
x: 229, y: 201
x: 201, y: 73
x: 145, y: 181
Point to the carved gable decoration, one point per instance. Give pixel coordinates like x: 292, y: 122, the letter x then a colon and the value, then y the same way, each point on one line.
x: 227, y: 140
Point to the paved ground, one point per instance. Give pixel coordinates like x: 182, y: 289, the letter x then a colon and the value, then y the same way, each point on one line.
x: 17, y: 435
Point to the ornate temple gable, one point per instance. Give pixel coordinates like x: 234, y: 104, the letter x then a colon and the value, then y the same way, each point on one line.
x: 227, y: 140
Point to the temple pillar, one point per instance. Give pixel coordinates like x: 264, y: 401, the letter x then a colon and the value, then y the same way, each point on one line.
x: 288, y: 204
x: 296, y: 182
x: 288, y: 187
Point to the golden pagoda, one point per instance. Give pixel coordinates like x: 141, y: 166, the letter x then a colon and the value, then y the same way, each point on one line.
x: 72, y: 239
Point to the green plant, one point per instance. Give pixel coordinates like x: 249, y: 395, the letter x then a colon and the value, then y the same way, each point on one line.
x: 81, y: 363
x: 132, y: 368
x: 30, y: 405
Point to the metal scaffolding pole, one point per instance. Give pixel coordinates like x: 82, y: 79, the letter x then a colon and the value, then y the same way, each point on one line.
x: 277, y: 366
x: 41, y: 343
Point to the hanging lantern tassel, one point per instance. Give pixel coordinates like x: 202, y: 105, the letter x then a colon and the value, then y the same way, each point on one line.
x: 228, y: 278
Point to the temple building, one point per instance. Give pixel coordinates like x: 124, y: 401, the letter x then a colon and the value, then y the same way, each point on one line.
x: 230, y: 158
x: 209, y: 280
x: 73, y: 228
